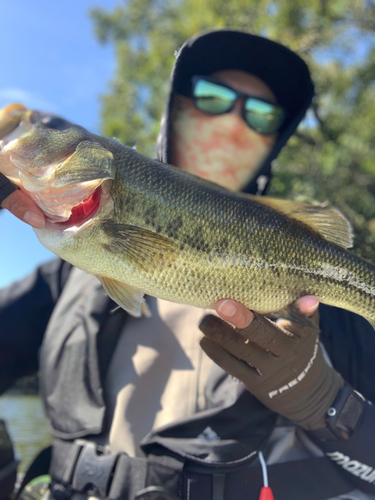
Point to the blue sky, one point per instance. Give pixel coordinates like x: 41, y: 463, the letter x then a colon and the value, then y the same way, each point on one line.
x: 51, y: 61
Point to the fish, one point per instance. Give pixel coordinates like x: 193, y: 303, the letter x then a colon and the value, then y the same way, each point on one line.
x: 143, y: 227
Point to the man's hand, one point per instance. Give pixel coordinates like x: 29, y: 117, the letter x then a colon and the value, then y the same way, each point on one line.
x: 240, y: 317
x: 282, y: 365
x: 19, y: 204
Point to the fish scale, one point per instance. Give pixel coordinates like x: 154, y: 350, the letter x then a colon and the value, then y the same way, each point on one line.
x: 162, y: 232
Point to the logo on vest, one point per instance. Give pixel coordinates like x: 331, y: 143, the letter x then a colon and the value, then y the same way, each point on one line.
x: 363, y: 471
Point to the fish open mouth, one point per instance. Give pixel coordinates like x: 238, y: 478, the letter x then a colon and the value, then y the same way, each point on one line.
x: 83, y: 211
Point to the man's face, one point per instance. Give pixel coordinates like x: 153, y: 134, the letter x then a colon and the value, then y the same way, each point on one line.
x: 220, y: 148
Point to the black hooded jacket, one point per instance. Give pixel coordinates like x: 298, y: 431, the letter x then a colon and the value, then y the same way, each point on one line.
x: 61, y: 308
x: 281, y: 69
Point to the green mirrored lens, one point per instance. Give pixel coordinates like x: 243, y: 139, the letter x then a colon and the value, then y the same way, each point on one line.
x: 263, y: 117
x: 212, y: 98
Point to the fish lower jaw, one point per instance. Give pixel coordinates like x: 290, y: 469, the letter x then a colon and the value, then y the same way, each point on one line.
x: 67, y: 231
x: 66, y: 227
x: 60, y: 238
x: 83, y: 213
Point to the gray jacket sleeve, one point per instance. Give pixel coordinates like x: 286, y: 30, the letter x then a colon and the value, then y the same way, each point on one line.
x: 25, y: 309
x: 6, y: 187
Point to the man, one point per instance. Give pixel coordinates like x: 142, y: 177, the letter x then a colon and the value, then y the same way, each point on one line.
x: 19, y: 204
x: 143, y: 387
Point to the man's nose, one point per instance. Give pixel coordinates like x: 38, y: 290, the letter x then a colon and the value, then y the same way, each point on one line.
x: 238, y: 107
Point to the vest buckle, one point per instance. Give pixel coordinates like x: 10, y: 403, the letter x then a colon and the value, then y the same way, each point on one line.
x: 94, y: 471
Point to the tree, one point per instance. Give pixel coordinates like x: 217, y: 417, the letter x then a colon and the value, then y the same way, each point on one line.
x: 332, y: 156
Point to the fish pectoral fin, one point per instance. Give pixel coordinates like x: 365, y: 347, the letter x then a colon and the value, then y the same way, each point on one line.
x: 125, y: 296
x: 145, y: 249
x: 329, y: 222
x: 293, y: 314
x: 145, y: 310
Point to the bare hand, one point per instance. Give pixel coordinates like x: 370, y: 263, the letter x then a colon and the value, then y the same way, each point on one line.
x: 240, y: 317
x: 23, y: 207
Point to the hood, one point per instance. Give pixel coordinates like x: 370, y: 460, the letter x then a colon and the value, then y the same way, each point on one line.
x: 282, y: 70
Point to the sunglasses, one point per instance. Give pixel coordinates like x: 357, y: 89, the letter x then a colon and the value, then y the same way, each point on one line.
x: 215, y: 98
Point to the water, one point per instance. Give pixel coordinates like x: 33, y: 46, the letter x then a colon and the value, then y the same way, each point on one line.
x: 26, y: 424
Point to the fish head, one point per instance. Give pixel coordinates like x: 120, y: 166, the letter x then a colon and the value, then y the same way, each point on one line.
x: 67, y: 174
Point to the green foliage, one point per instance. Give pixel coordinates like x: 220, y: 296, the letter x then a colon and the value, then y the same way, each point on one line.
x: 332, y: 156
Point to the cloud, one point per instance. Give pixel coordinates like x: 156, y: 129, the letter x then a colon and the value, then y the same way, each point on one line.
x: 27, y: 98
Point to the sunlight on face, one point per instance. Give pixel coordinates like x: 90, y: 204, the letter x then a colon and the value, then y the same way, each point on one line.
x: 220, y: 148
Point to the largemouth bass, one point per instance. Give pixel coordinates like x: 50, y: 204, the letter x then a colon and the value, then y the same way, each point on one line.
x: 144, y: 227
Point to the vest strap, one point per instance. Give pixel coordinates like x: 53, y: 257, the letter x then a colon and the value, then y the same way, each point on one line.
x: 83, y: 467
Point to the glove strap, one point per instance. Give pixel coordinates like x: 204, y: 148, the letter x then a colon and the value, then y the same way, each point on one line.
x: 343, y: 416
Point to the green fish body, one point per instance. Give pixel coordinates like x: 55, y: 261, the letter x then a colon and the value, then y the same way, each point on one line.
x: 158, y: 231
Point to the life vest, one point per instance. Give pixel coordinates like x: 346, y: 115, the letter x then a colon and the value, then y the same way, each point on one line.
x: 211, y: 454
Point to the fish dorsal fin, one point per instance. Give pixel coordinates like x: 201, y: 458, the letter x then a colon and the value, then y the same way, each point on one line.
x: 143, y: 248
x: 125, y: 296
x: 327, y: 221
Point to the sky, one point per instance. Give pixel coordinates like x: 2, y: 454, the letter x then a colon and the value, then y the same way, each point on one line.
x: 51, y: 61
